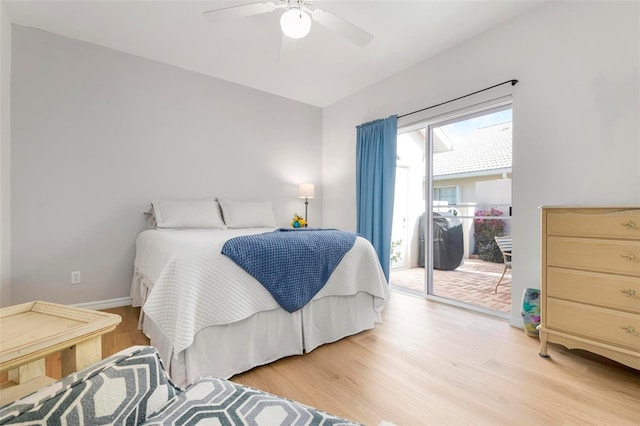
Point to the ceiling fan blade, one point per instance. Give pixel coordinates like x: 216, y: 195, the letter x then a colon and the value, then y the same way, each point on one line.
x: 241, y: 11
x: 288, y: 47
x: 356, y: 35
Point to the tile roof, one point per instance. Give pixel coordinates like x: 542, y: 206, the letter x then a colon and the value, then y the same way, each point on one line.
x: 487, y: 148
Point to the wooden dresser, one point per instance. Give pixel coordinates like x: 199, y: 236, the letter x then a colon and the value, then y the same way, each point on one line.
x: 591, y: 281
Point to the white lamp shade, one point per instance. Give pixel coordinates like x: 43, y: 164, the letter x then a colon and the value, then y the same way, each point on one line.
x: 295, y: 23
x: 306, y: 190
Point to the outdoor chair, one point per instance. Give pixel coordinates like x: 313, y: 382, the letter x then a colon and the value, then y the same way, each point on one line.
x: 504, y: 244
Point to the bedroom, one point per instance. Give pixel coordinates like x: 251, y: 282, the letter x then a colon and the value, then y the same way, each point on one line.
x: 77, y: 204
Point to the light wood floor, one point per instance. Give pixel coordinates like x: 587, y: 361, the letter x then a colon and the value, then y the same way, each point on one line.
x: 431, y: 364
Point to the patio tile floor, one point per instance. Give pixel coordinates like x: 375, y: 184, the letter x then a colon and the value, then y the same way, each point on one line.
x: 472, y: 282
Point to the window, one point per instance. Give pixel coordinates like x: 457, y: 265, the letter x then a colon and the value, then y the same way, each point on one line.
x: 447, y: 193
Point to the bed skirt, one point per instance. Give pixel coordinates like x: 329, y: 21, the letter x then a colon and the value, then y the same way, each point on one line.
x: 225, y: 350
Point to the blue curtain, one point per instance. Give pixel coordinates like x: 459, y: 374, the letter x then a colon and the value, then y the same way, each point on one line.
x: 375, y: 184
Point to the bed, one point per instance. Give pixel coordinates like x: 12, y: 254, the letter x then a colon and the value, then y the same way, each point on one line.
x: 207, y: 316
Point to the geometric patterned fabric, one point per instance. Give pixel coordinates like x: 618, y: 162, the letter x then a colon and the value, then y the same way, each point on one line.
x: 217, y: 401
x: 132, y: 388
x: 122, y: 389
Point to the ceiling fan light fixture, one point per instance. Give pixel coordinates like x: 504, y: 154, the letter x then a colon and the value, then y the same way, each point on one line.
x: 295, y: 23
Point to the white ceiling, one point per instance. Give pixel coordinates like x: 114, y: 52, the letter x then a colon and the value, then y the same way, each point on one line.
x: 323, y: 69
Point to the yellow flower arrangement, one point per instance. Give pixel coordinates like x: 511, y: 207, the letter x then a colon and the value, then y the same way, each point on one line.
x: 298, y: 222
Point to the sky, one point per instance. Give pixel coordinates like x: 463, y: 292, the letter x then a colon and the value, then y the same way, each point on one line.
x: 463, y: 128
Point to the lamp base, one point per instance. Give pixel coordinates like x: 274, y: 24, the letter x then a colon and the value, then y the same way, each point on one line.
x: 306, y: 205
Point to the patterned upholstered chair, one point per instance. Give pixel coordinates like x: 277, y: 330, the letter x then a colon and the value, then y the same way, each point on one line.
x: 132, y: 388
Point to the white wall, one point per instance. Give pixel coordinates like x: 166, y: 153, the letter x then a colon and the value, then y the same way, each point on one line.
x: 576, y: 136
x: 98, y: 134
x: 5, y: 158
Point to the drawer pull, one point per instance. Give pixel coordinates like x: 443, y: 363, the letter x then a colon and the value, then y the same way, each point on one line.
x: 629, y: 257
x: 628, y: 292
x: 630, y: 330
x: 629, y: 225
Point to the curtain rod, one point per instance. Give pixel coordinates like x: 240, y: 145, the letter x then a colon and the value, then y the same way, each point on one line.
x: 513, y: 83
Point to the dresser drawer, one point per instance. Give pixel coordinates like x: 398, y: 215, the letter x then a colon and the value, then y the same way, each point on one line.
x: 612, y: 291
x: 609, y: 326
x: 607, y: 223
x: 619, y: 257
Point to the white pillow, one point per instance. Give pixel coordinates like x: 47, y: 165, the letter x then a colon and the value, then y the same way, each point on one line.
x: 150, y: 219
x: 193, y: 214
x: 247, y: 214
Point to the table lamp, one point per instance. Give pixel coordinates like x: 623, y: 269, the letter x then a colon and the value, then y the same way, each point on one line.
x: 306, y: 191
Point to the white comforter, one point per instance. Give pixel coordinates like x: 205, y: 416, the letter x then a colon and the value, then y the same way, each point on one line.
x: 195, y: 286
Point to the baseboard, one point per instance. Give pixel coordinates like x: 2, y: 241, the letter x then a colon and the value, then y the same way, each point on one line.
x: 516, y: 322
x: 106, y: 304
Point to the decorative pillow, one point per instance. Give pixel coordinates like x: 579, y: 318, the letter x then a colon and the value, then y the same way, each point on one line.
x: 125, y: 388
x: 247, y: 214
x: 192, y: 214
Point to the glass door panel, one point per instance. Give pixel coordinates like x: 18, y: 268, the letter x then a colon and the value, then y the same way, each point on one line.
x: 408, y: 257
x: 470, y: 186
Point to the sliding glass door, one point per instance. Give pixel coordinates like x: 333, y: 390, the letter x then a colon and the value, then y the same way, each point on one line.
x: 456, y: 200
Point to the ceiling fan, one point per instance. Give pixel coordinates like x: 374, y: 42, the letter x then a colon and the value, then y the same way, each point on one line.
x: 296, y: 19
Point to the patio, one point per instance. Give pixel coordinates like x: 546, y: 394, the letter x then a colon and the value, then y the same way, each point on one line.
x: 472, y: 282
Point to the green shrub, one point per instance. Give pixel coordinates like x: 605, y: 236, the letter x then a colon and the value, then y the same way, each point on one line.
x: 396, y: 254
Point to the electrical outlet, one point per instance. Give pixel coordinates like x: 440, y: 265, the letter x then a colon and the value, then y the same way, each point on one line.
x: 75, y: 277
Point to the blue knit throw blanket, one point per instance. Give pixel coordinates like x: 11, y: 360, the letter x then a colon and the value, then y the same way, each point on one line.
x: 292, y: 264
